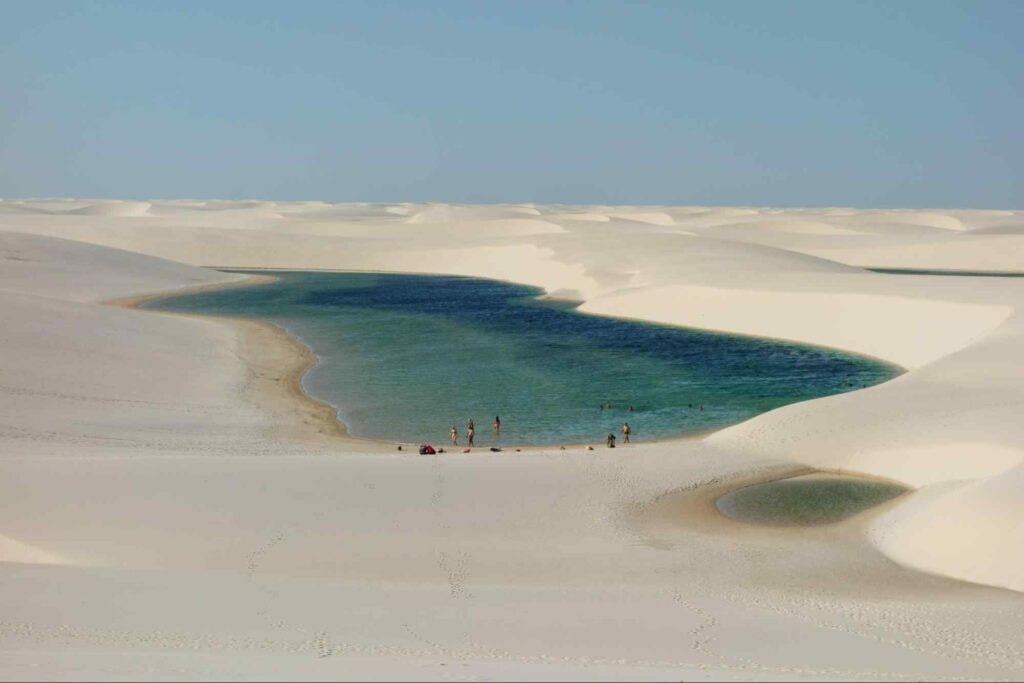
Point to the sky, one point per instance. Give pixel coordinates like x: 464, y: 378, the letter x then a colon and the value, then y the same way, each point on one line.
x: 864, y: 104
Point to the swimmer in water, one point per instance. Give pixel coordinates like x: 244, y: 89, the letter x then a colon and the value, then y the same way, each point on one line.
x: 497, y: 425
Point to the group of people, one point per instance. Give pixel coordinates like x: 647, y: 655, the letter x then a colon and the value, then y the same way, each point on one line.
x: 471, y: 431
x: 496, y: 426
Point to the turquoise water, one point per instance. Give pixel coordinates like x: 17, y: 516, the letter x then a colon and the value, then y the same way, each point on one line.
x: 404, y: 357
x: 809, y: 500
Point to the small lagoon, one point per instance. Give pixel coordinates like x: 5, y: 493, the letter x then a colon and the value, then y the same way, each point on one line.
x: 404, y: 357
x: 807, y: 500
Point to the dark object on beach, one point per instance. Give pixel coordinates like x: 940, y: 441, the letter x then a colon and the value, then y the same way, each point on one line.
x: 427, y: 449
x: 590, y: 448
x: 562, y: 447
x: 518, y: 450
x: 466, y: 450
x: 440, y: 450
x: 399, y: 448
x: 495, y: 449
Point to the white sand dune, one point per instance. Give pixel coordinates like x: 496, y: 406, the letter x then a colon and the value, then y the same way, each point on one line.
x: 799, y: 227
x: 579, y: 216
x: 172, y: 509
x: 650, y: 217
x: 448, y: 213
x: 11, y: 551
x: 69, y: 270
x: 943, y: 221
x: 113, y: 208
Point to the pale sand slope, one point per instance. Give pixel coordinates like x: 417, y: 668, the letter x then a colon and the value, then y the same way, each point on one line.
x: 140, y: 537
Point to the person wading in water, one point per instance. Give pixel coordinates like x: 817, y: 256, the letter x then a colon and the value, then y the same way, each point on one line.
x: 626, y: 431
x: 470, y: 431
x: 497, y: 426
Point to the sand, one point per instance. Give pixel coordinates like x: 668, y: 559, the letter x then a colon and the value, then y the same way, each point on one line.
x: 173, y: 507
x: 276, y: 362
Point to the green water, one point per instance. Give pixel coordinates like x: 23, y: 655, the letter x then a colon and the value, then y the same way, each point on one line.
x: 809, y: 500
x: 405, y: 357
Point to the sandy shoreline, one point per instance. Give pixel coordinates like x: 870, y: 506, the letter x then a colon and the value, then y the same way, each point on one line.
x: 277, y: 362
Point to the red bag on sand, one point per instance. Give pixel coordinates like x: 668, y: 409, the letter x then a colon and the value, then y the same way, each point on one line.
x: 427, y: 449
x: 466, y: 451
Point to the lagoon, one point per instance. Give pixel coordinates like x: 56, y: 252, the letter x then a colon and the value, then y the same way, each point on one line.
x: 404, y: 357
x: 808, y: 500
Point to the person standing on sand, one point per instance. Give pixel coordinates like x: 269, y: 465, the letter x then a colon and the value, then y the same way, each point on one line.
x: 626, y: 431
x: 470, y: 431
x: 497, y: 426
x: 455, y: 436
x: 610, y: 440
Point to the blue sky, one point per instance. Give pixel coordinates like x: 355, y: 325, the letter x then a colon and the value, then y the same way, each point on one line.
x: 726, y: 103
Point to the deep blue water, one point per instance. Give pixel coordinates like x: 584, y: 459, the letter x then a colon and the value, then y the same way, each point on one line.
x: 405, y: 357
